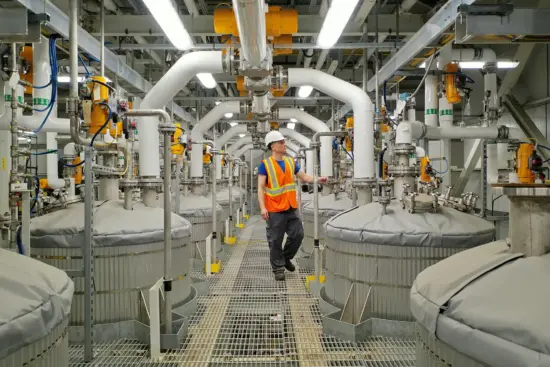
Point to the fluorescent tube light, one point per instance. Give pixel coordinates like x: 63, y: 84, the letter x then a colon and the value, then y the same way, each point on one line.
x: 471, y: 64
x: 242, y: 135
x: 228, y: 115
x: 291, y: 125
x: 217, y: 102
x: 335, y: 21
x: 292, y: 119
x: 207, y: 80
x: 233, y: 123
x: 305, y: 91
x: 507, y: 64
x: 169, y: 20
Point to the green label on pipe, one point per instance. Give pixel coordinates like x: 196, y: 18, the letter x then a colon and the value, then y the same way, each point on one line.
x: 431, y: 111
x: 40, y: 101
x: 7, y: 98
x: 446, y: 112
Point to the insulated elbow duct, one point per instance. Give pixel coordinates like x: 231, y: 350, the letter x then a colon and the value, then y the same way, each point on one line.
x: 222, y: 140
x: 317, y: 126
x: 197, y: 134
x: 250, y: 15
x: 363, y: 164
x: 163, y: 92
x: 239, y: 152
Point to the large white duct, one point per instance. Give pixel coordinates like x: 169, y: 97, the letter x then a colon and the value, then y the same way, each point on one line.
x: 491, y: 90
x: 431, y: 101
x: 197, y: 134
x: 239, y: 152
x: 250, y: 16
x: 52, y: 171
x: 363, y: 164
x: 41, y: 96
x: 239, y: 143
x: 163, y: 92
x: 292, y: 149
x: 317, y: 126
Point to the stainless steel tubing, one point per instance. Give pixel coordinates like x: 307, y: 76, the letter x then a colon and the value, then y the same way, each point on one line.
x: 250, y: 16
x: 102, y: 38
x: 167, y: 235
x: 177, y: 190
x: 315, y: 144
x: 14, y: 152
x: 88, y: 255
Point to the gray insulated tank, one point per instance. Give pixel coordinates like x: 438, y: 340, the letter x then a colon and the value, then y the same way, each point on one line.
x: 34, y: 316
x: 329, y: 206
x: 483, y: 307
x: 198, y: 211
x: 386, y: 253
x: 128, y: 251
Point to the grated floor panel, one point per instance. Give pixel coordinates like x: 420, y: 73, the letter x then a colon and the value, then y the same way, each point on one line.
x: 249, y: 319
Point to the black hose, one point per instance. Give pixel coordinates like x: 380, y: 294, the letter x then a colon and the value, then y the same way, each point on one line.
x: 381, y: 162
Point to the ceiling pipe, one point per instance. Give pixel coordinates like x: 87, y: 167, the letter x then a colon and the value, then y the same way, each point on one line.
x: 304, y: 141
x: 315, y: 125
x: 250, y: 16
x: 239, y: 152
x: 207, y: 122
x: 363, y: 165
x: 408, y: 132
x: 163, y: 92
x: 222, y: 140
x: 239, y: 143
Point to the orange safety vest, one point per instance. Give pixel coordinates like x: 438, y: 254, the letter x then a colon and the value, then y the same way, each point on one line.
x: 280, y: 191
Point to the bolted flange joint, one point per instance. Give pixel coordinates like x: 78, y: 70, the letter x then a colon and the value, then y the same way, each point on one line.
x: 152, y: 182
x: 167, y: 128
x: 369, y: 182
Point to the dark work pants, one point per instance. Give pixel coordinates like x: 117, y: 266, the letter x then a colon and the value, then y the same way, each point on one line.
x: 277, y: 225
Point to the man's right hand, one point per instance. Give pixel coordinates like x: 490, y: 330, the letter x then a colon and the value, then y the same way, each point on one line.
x: 265, y: 214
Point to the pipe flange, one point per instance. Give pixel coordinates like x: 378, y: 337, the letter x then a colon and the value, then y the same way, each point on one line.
x: 526, y: 191
x: 369, y: 182
x: 403, y: 171
x: 167, y: 127
x: 128, y: 183
x: 404, y: 149
x: 384, y: 182
x: 151, y: 182
x: 315, y: 144
x: 107, y: 152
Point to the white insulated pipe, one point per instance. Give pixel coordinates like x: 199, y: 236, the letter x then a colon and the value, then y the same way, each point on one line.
x: 473, y: 54
x: 317, y: 126
x: 446, y: 114
x: 491, y: 90
x: 292, y: 149
x: 163, y: 92
x: 363, y: 110
x: 222, y: 140
x: 52, y: 172
x: 407, y: 133
x: 250, y: 16
x: 239, y: 152
x: 208, y: 121
x: 431, y: 101
x: 239, y: 143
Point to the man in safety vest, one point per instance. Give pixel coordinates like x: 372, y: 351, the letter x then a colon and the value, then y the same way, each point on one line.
x: 277, y: 196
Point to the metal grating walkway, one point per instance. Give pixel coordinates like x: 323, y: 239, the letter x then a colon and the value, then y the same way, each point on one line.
x: 249, y: 319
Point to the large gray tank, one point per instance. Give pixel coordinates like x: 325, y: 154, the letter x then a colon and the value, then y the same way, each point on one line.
x: 383, y: 254
x: 483, y: 307
x: 198, y: 211
x: 129, y: 256
x: 34, y: 316
x: 329, y: 206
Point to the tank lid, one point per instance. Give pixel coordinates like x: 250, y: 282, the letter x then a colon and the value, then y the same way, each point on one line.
x: 193, y: 205
x: 37, y: 299
x: 329, y: 205
x: 113, y: 226
x: 447, y: 228
x: 489, y: 304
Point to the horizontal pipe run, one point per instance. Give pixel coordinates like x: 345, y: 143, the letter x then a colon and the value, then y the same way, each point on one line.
x: 382, y: 46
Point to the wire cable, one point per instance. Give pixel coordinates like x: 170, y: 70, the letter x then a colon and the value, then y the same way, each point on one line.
x: 53, y: 83
x: 46, y: 152
x: 85, y: 67
x: 428, y: 67
x: 109, y: 117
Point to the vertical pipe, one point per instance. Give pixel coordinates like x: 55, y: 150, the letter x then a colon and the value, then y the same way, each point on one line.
x: 377, y: 61
x: 177, y: 189
x: 214, y: 207
x: 14, y: 213
x: 230, y: 187
x: 102, y: 38
x: 431, y: 101
x: 316, y: 249
x: 88, y: 254
x: 167, y: 236
x: 251, y: 181
x: 365, y: 67
x: 73, y: 48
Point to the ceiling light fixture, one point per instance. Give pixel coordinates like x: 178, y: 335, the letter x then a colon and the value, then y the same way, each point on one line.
x: 292, y: 119
x: 207, y: 80
x: 233, y: 123
x: 67, y: 79
x: 291, y: 125
x: 217, y: 102
x: 169, y: 20
x: 335, y: 21
x: 228, y: 115
x: 503, y: 64
x: 242, y: 135
x: 305, y: 91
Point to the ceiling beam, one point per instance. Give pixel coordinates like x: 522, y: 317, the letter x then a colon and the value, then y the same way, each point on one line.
x: 203, y: 25
x: 430, y: 31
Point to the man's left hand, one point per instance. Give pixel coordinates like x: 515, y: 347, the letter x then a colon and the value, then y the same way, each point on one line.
x: 323, y: 180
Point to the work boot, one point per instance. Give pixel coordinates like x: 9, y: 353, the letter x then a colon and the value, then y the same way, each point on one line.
x: 280, y: 276
x: 290, y: 266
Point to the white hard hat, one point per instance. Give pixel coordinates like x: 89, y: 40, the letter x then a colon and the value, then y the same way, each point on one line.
x: 272, y: 137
